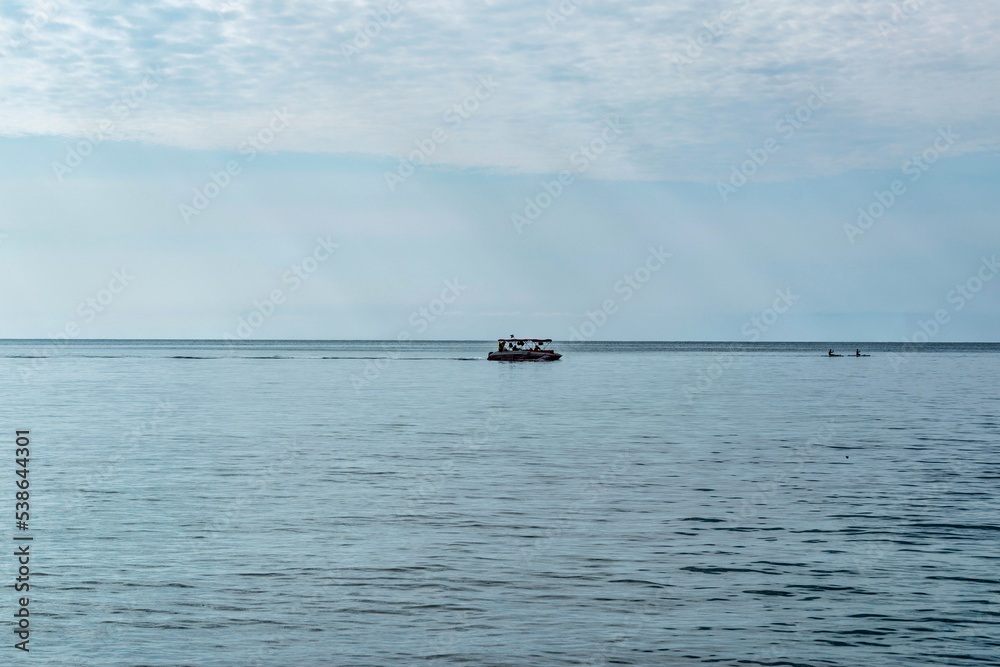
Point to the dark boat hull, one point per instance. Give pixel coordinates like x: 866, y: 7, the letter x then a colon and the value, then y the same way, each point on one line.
x: 524, y: 355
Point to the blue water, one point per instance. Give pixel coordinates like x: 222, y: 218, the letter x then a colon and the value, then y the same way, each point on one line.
x: 360, y: 503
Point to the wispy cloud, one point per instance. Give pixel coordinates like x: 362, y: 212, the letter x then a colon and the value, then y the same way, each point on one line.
x: 225, y: 62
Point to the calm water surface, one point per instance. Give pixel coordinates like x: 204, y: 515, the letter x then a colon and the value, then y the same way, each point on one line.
x: 360, y: 503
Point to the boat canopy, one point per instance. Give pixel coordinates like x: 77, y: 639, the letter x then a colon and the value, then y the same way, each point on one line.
x: 524, y: 340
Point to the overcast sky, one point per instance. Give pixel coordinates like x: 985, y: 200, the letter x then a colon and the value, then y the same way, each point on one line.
x: 376, y: 169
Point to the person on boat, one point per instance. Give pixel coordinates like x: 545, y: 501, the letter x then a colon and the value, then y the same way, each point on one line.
x: 857, y: 353
x: 500, y: 346
x: 830, y: 352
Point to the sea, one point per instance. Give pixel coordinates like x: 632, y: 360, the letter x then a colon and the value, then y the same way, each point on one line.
x: 383, y: 503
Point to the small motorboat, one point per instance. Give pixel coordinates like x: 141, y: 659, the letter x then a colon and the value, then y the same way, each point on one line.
x: 523, y: 349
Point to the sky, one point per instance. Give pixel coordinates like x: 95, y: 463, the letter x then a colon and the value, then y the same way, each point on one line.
x: 728, y: 170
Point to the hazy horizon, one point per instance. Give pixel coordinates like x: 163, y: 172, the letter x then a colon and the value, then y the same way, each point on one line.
x: 60, y: 341
x: 688, y: 171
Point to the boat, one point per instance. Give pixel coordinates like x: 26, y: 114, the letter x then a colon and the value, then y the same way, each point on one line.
x: 523, y: 349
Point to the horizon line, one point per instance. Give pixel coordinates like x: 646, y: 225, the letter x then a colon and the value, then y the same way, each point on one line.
x: 482, y: 340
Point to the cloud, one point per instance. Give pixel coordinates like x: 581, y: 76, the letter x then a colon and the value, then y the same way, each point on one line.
x: 695, y: 83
